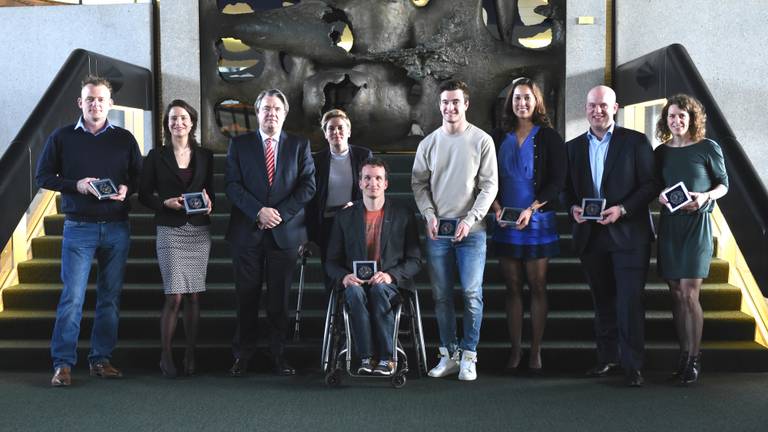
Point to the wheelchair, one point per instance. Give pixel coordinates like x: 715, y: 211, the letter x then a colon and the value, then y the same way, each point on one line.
x: 337, y: 347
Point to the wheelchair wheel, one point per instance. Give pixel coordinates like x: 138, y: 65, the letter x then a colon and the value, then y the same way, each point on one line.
x: 398, y: 381
x: 333, y: 378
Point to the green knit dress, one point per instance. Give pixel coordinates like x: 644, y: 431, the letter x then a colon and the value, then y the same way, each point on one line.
x: 685, y: 239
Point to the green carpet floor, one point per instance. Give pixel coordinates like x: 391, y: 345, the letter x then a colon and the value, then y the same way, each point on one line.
x: 144, y: 401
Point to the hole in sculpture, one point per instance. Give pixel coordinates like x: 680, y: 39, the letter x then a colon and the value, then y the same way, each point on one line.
x: 535, y: 30
x: 339, y: 95
x: 341, y: 30
x: 286, y: 62
x: 237, y: 61
x: 490, y: 19
x: 236, y: 7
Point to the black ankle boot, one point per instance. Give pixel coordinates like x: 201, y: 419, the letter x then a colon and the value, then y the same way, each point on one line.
x: 692, y: 369
x: 681, y: 363
x: 697, y: 364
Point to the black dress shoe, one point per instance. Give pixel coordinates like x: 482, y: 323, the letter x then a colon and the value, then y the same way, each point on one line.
x: 169, y: 370
x: 634, y: 378
x: 280, y: 367
x: 239, y: 368
x: 535, y: 372
x: 602, y: 369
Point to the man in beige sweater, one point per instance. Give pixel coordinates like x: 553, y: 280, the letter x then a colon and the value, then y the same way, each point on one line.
x: 454, y: 182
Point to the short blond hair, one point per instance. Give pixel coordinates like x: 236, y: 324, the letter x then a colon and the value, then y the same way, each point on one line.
x: 332, y: 114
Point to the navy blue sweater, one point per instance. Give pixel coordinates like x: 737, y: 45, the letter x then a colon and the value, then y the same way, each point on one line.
x: 71, y: 154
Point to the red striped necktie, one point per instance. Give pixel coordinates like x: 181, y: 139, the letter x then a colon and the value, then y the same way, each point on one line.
x: 269, y: 154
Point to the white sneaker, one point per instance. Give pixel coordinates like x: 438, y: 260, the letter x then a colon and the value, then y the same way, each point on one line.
x: 467, y: 367
x: 448, y: 364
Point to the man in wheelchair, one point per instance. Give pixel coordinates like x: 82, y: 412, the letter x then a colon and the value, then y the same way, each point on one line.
x: 373, y: 251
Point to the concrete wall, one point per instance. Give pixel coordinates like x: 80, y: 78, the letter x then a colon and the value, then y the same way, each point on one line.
x: 180, y: 52
x: 727, y: 42
x: 35, y: 42
x: 584, y: 61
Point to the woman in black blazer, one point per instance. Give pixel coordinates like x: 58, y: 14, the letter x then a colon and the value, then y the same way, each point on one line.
x: 532, y: 164
x: 337, y: 173
x: 183, y: 240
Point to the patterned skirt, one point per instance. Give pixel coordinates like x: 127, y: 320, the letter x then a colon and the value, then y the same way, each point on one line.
x: 182, y: 253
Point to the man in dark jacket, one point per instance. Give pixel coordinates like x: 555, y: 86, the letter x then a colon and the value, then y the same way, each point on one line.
x: 614, y: 164
x: 380, y: 231
x: 270, y: 177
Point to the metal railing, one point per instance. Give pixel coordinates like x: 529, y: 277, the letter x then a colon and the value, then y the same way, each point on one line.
x: 132, y: 85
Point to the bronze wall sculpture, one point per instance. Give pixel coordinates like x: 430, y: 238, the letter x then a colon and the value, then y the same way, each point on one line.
x: 387, y: 81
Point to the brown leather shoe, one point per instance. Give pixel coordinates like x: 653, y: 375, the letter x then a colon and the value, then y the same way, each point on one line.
x: 62, y: 377
x: 105, y: 370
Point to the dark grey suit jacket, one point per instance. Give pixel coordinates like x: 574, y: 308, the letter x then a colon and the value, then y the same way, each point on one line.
x: 628, y: 179
x: 400, y: 253
x: 248, y: 189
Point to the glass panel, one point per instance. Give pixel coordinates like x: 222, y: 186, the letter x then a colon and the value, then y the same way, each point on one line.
x: 642, y: 117
x: 235, y: 117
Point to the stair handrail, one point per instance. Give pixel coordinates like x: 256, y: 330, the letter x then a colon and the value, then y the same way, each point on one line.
x: 132, y: 86
x: 670, y: 70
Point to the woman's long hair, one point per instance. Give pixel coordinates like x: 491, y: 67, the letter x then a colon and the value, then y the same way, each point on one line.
x: 192, y: 116
x: 540, y: 117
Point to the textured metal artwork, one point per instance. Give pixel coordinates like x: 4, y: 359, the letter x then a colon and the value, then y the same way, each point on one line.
x: 387, y: 82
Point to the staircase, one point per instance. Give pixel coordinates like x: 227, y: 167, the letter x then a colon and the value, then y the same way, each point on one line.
x: 27, y: 322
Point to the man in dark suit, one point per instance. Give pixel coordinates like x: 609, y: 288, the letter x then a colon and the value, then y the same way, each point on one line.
x: 269, y: 180
x: 615, y: 164
x: 373, y: 229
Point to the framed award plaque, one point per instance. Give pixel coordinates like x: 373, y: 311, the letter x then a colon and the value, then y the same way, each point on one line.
x: 194, y: 202
x: 446, y: 227
x: 104, y: 188
x: 364, y: 270
x: 510, y: 215
x: 677, y: 196
x: 592, y: 208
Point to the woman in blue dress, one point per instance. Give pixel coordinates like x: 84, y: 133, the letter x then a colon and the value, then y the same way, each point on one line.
x: 532, y: 167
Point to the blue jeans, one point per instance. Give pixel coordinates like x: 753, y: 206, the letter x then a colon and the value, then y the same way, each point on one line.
x: 108, y: 242
x: 370, y: 307
x: 444, y: 257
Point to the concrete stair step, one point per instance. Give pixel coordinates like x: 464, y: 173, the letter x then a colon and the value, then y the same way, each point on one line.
x: 563, y: 296
x: 145, y: 270
x: 558, y: 356
x: 220, y: 325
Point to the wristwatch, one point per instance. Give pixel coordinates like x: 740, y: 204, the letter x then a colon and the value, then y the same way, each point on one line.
x: 623, y: 210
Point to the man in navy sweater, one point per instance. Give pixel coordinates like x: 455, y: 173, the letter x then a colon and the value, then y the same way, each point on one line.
x: 73, y: 157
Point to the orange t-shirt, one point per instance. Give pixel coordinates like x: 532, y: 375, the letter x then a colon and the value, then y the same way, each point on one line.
x: 373, y: 221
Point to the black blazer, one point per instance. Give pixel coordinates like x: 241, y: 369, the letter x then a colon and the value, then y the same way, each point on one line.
x: 316, y: 206
x: 549, y: 165
x: 628, y: 179
x: 400, y: 253
x: 248, y: 188
x: 160, y: 181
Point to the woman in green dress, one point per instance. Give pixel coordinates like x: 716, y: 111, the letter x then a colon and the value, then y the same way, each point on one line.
x: 685, y: 235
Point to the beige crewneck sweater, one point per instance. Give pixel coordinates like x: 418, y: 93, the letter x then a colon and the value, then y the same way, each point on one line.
x: 456, y: 176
